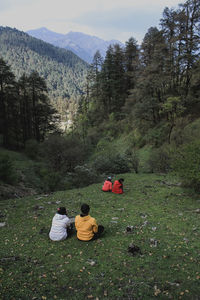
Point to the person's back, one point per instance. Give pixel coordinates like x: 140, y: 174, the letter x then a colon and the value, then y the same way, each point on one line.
x: 86, y: 226
x: 118, y: 186
x: 107, y: 186
x: 59, y: 225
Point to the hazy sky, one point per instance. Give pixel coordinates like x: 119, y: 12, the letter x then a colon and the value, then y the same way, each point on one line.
x: 107, y: 19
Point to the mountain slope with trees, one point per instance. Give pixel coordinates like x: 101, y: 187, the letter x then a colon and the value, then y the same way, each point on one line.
x: 140, y: 110
x: 83, y: 45
x: 62, y: 70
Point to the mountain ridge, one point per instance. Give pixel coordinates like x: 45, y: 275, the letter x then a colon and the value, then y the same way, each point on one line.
x: 83, y: 45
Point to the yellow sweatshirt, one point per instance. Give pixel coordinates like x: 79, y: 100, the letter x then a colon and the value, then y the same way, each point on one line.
x: 85, y: 226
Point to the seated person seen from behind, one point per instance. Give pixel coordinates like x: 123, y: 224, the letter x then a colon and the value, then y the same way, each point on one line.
x: 107, y: 186
x: 86, y: 226
x: 61, y: 226
x: 118, y: 186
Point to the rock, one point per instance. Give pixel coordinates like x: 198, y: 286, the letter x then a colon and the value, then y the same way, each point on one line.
x: 153, y: 242
x: 91, y: 262
x: 2, y: 224
x: 130, y: 229
x: 133, y: 249
x: 144, y: 224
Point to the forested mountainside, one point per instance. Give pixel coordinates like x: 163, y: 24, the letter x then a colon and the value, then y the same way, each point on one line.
x: 83, y: 45
x: 63, y: 71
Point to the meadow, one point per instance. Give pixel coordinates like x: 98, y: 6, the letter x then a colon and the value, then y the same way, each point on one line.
x: 162, y: 219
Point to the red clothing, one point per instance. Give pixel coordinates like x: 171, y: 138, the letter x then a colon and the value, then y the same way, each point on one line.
x: 107, y: 187
x: 117, y: 187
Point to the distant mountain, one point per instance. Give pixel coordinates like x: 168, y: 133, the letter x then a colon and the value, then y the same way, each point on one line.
x: 83, y: 45
x: 63, y: 71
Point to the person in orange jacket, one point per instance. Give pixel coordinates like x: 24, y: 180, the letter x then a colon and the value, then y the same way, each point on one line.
x: 107, y: 186
x: 118, y: 186
x: 86, y: 226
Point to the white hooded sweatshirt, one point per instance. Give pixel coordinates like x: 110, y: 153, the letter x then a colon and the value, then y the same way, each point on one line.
x: 58, y: 230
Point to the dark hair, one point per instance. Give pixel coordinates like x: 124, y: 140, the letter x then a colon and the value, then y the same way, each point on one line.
x: 121, y: 180
x: 85, y: 209
x: 61, y: 211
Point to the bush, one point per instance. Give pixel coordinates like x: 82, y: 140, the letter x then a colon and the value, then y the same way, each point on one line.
x: 7, y: 171
x: 186, y: 163
x: 159, y: 160
x: 62, y: 154
x: 52, y: 181
x: 111, y: 163
x: 82, y: 176
x: 133, y: 158
x: 31, y: 149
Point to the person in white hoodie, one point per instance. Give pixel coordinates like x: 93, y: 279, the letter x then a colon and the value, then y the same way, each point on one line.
x: 61, y: 226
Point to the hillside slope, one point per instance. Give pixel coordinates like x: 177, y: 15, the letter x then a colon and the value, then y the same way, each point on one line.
x: 163, y: 220
x: 63, y: 71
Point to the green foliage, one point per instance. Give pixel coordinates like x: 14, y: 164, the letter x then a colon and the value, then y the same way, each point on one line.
x: 62, y: 154
x: 7, y: 171
x: 157, y: 136
x: 82, y: 176
x: 109, y: 163
x: 63, y: 71
x: 159, y: 160
x: 51, y: 180
x: 186, y: 162
x: 31, y: 148
x: 134, y: 161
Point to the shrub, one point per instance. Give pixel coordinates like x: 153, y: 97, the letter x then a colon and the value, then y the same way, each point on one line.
x: 159, y: 160
x: 7, y: 171
x: 134, y: 161
x: 115, y: 163
x: 62, y: 154
x: 52, y: 181
x: 83, y: 176
x: 31, y: 148
x: 186, y: 163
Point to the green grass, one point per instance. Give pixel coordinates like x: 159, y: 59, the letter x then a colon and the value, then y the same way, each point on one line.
x: 33, y: 267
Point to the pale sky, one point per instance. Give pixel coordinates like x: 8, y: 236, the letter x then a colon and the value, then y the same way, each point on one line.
x: 107, y: 19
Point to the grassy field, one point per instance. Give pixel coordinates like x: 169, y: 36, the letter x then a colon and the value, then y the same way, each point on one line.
x: 165, y: 220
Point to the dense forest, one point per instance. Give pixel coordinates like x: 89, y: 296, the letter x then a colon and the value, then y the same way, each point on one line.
x: 150, y: 86
x: 63, y: 71
x: 137, y: 99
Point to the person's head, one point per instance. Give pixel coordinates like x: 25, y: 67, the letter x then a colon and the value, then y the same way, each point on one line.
x: 109, y: 178
x: 85, y: 209
x: 61, y: 211
x: 121, y: 180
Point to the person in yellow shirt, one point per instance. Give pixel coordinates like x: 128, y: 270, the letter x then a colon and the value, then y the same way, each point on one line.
x: 86, y: 226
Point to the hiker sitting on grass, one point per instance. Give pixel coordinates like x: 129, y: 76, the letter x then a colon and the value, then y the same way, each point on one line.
x: 107, y: 186
x: 86, y: 226
x: 61, y: 227
x: 118, y: 186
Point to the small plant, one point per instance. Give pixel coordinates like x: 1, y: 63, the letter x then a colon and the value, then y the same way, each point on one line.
x: 7, y: 171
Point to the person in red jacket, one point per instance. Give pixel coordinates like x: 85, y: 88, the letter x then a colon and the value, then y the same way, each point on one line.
x: 107, y: 186
x: 118, y: 186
